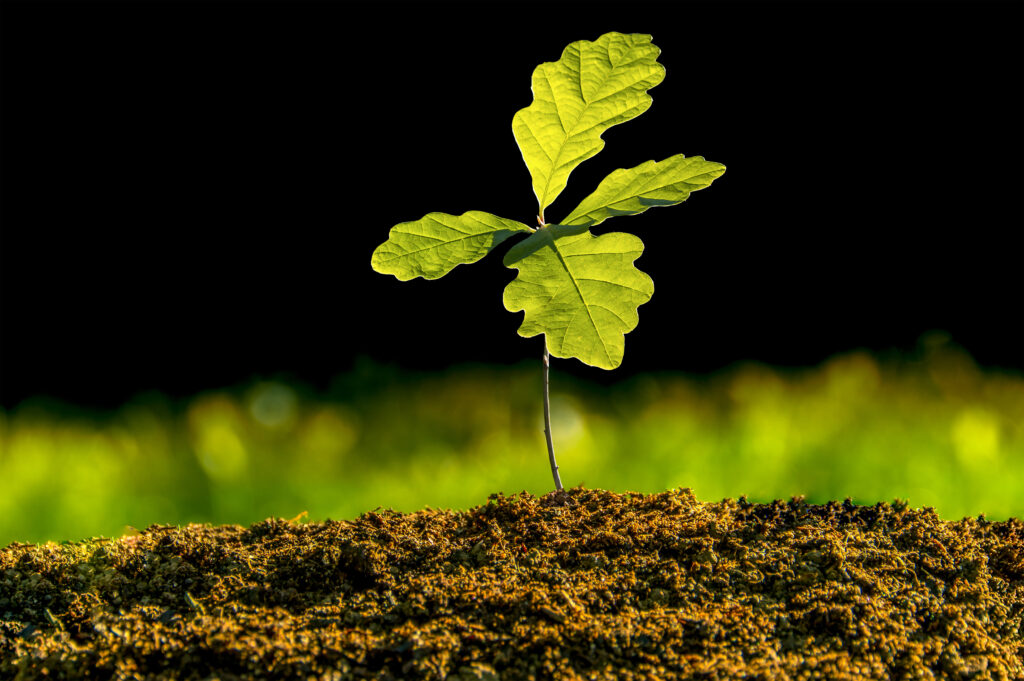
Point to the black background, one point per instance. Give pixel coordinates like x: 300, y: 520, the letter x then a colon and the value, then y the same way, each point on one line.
x: 192, y: 191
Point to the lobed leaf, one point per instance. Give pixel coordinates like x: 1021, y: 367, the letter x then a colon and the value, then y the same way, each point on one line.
x: 434, y: 245
x: 582, y: 292
x: 594, y: 86
x: 634, y: 190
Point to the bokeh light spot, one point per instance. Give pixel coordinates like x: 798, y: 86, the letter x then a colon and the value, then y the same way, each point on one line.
x: 975, y: 434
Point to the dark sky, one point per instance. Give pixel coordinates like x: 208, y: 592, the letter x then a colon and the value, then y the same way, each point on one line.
x: 192, y: 190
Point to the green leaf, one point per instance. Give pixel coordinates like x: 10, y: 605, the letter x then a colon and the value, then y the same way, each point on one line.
x: 438, y: 242
x: 632, y: 191
x: 582, y: 292
x: 594, y: 86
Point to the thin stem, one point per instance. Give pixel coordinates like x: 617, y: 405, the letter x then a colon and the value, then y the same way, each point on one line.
x: 547, y: 422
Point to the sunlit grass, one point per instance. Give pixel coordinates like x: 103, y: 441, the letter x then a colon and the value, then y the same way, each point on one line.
x: 932, y: 428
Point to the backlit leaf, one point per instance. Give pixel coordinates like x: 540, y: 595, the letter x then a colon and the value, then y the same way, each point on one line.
x: 634, y: 190
x: 438, y: 242
x: 594, y: 86
x: 582, y: 292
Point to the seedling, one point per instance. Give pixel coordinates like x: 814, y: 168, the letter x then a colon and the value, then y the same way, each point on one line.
x: 581, y: 291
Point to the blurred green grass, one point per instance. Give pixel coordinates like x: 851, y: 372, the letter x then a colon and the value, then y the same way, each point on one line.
x: 930, y: 427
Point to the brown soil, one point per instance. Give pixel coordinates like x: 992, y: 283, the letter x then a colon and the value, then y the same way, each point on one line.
x: 584, y: 584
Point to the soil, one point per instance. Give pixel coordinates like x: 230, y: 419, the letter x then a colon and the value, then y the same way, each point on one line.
x: 583, y: 584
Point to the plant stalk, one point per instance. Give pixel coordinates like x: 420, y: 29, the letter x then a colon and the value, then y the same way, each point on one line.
x: 547, y: 422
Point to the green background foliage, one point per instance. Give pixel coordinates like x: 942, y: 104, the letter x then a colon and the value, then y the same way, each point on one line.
x: 930, y: 427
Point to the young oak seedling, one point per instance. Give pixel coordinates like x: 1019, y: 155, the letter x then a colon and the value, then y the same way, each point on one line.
x: 582, y: 292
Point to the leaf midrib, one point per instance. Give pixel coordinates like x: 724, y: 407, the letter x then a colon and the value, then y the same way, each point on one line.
x: 586, y: 306
x: 434, y: 246
x: 445, y: 243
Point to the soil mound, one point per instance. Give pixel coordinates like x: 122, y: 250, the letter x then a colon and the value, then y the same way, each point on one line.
x: 584, y: 584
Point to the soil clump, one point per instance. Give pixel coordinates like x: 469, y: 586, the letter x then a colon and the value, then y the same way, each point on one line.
x: 584, y: 584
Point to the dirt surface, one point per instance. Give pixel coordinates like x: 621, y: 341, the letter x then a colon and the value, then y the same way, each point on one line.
x: 585, y: 584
